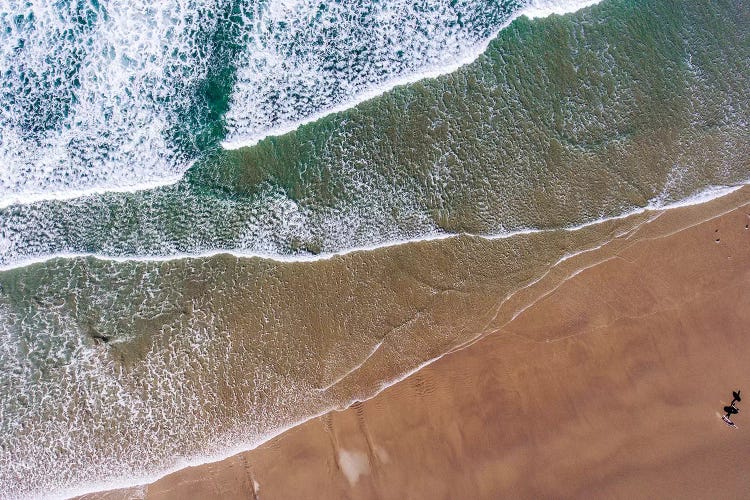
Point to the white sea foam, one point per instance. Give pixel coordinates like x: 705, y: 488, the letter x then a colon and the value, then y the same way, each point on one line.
x: 71, y: 194
x: 85, y: 93
x: 544, y: 8
x: 434, y: 40
x: 703, y: 196
x: 92, y: 92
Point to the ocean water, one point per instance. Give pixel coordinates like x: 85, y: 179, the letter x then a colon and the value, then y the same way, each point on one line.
x: 135, y: 139
x: 100, y: 96
x: 561, y: 121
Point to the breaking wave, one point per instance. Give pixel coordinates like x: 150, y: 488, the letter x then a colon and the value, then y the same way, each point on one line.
x: 124, y: 95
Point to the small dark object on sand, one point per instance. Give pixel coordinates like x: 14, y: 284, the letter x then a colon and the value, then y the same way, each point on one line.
x: 735, y: 397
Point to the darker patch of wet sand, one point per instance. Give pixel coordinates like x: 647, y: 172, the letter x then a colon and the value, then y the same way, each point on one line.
x: 605, y: 382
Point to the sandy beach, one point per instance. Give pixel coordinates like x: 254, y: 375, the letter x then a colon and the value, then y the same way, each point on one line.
x: 361, y: 249
x: 603, y: 379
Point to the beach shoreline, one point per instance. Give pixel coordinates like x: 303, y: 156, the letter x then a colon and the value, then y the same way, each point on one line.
x: 674, y: 224
x: 498, y: 249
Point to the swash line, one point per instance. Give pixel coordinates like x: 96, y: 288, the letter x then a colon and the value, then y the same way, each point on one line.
x: 706, y: 195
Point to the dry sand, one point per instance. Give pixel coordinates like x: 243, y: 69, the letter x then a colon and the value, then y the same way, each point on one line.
x: 605, y: 379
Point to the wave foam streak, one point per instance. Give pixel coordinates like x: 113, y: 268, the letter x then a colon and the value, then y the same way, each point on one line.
x: 309, y: 58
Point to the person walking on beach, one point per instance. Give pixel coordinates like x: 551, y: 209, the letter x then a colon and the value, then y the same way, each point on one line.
x: 732, y: 409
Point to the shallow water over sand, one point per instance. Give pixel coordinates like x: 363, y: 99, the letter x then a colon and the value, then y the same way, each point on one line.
x: 117, y: 369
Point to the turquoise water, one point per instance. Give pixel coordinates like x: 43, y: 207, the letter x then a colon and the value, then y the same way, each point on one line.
x: 109, y: 95
x: 111, y: 370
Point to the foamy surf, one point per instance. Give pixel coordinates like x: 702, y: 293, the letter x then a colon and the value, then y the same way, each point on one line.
x: 543, y: 8
x: 454, y: 161
x: 433, y: 38
x: 700, y: 197
x: 31, y: 198
x: 109, y: 111
x: 87, y: 96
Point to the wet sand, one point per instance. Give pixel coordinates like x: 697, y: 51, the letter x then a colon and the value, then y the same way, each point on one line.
x: 603, y: 379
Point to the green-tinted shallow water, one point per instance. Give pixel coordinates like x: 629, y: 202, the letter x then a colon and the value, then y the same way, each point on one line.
x: 110, y: 370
